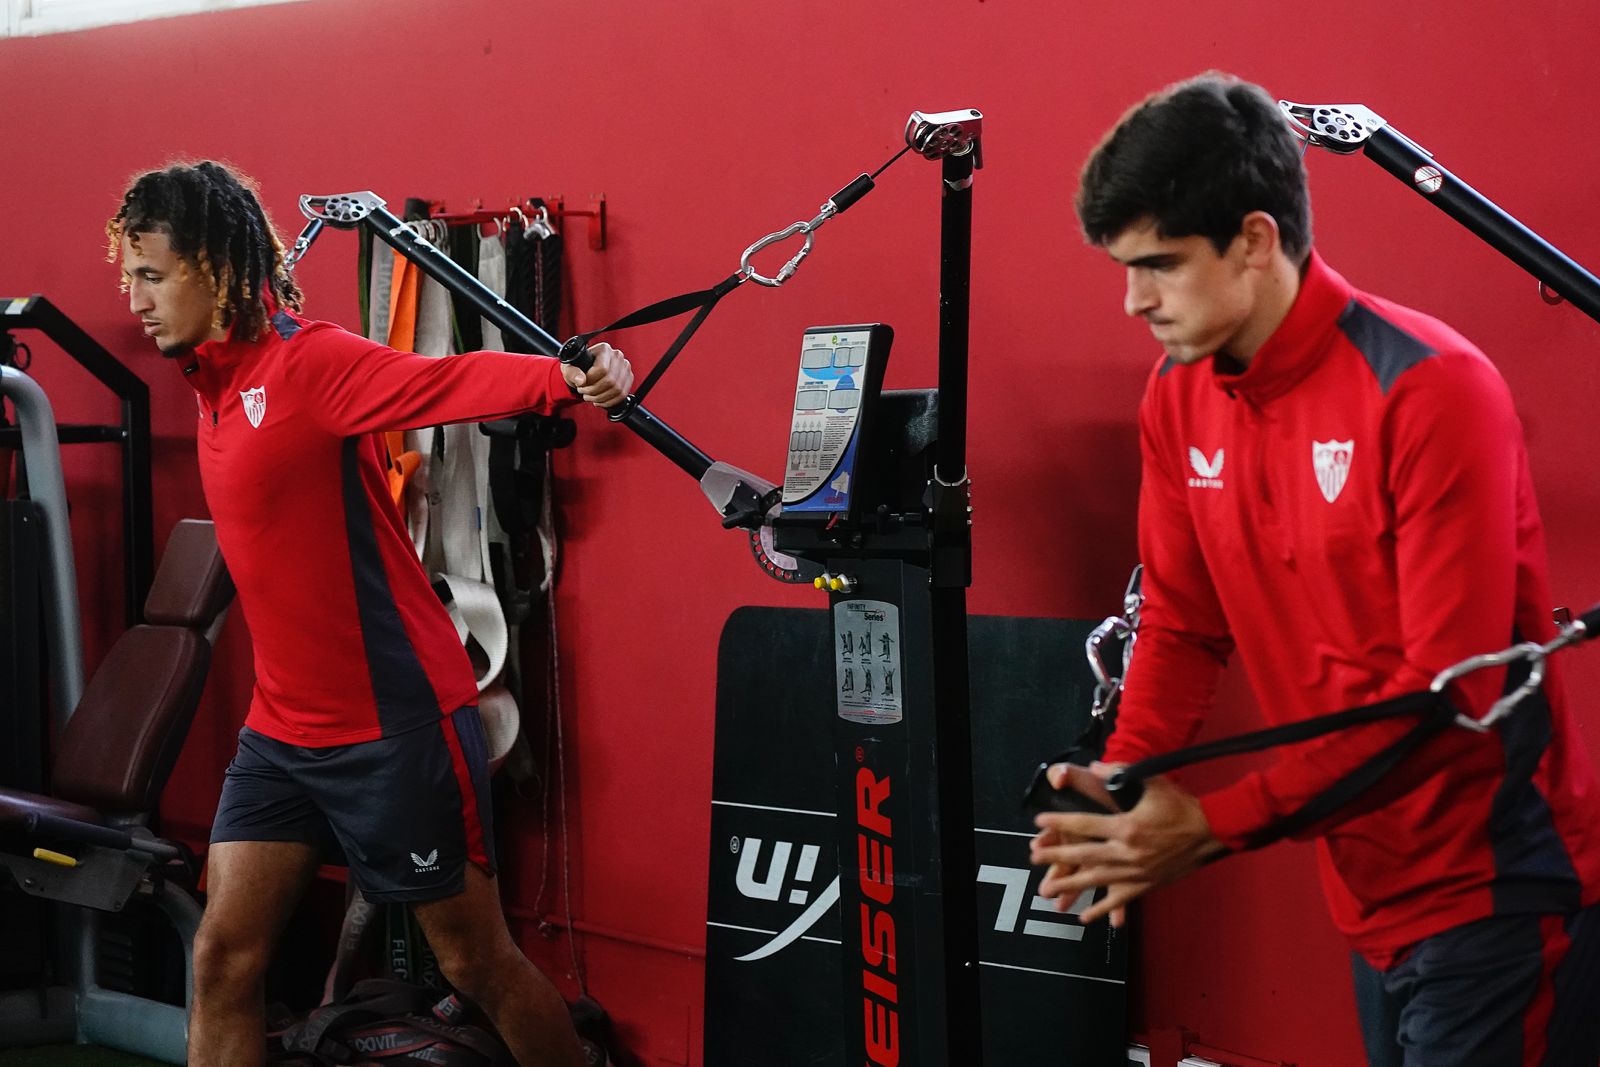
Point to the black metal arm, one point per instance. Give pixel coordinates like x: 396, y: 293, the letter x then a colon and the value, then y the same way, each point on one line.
x: 1349, y: 128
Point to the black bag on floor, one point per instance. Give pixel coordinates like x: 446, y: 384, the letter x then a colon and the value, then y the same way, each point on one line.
x: 384, y: 1023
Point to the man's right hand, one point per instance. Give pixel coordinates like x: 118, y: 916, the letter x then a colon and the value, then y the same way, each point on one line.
x: 607, y: 382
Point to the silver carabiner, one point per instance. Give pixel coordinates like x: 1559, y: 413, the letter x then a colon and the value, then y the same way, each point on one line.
x: 1093, y: 648
x: 1125, y: 626
x: 787, y: 270
x: 1534, y: 653
x: 749, y: 273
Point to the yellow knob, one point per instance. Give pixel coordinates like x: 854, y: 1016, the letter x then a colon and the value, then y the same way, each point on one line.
x: 58, y: 858
x: 836, y: 583
x: 820, y: 582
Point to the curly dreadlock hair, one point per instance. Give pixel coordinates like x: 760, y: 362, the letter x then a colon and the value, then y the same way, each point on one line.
x: 217, y: 225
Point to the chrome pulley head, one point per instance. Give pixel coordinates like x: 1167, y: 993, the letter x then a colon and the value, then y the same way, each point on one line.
x: 341, y: 210
x: 1341, y: 128
x: 946, y: 133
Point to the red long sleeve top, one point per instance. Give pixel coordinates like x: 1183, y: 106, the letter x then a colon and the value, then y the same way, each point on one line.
x: 351, y: 643
x: 1352, y: 513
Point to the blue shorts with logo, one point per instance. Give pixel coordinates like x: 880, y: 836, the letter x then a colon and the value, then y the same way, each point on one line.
x: 406, y: 813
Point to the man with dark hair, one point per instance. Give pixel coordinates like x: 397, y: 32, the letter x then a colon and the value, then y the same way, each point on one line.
x: 1336, y: 487
x: 363, y: 733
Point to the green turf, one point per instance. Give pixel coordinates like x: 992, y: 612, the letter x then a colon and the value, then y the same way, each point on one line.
x: 70, y: 1056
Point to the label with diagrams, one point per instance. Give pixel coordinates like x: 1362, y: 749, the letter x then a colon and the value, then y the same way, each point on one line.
x: 866, y: 650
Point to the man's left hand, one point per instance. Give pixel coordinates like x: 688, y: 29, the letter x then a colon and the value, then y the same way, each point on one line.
x: 1163, y: 838
x: 607, y: 382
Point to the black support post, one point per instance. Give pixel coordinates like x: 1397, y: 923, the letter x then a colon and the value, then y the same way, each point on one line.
x: 952, y: 572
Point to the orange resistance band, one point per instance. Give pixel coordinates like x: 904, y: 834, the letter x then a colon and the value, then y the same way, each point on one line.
x: 404, y: 297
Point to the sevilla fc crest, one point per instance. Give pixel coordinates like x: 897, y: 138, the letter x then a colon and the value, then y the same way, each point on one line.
x: 1331, y: 462
x: 255, y: 404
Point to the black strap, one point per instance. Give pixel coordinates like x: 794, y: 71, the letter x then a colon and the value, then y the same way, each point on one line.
x: 1434, y: 709
x: 1437, y: 716
x: 1416, y: 703
x: 703, y: 300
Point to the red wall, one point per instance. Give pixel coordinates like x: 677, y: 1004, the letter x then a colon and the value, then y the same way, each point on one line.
x: 706, y: 125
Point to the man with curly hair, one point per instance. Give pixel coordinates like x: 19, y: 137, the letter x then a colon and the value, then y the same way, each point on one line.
x: 363, y: 737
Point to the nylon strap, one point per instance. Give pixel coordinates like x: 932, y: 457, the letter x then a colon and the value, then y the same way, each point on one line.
x: 1416, y: 703
x: 1435, y: 714
x: 703, y: 300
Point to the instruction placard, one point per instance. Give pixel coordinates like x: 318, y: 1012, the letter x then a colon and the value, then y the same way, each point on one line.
x: 866, y: 649
x: 827, y: 413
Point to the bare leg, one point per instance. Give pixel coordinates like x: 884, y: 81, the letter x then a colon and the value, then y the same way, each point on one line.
x: 476, y: 954
x: 253, y: 887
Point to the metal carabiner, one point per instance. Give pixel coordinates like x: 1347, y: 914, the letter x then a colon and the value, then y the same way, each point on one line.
x: 749, y: 273
x: 1093, y: 648
x: 787, y: 270
x: 1534, y: 653
x: 1125, y: 626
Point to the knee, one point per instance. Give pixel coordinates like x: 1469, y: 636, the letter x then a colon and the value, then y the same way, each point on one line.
x: 225, y: 960
x: 479, y: 972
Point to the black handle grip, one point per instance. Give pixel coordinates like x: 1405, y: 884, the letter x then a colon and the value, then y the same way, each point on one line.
x: 1042, y: 796
x: 1591, y: 622
x: 1124, y: 790
x: 1068, y: 799
x: 55, y: 826
x: 45, y: 825
x: 575, y: 353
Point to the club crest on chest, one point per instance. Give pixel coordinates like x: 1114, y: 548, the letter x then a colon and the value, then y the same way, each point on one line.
x: 1330, y: 461
x: 255, y: 404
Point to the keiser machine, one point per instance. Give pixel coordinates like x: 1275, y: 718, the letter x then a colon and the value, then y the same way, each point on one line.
x: 875, y: 510
x: 890, y: 529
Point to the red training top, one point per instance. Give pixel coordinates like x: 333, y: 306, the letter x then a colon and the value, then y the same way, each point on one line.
x: 1353, y: 512
x: 351, y: 643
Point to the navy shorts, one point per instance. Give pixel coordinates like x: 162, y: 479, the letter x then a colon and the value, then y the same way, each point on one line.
x: 1501, y: 992
x: 405, y: 813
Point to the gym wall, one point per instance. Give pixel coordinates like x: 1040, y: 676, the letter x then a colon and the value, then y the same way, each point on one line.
x: 707, y: 123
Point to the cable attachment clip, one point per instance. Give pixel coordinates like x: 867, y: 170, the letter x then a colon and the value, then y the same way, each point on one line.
x: 837, y: 204
x: 749, y: 273
x: 1108, y: 686
x: 1340, y: 128
x: 1534, y: 653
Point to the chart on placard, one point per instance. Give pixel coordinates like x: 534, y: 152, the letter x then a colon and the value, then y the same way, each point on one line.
x: 867, y: 656
x: 827, y: 411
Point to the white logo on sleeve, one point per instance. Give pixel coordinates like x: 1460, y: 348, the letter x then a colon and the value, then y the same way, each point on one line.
x: 426, y: 863
x: 1330, y: 461
x: 255, y: 404
x: 1209, y: 471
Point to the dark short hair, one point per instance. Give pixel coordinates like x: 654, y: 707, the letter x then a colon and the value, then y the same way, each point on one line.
x: 1196, y: 158
x: 215, y: 222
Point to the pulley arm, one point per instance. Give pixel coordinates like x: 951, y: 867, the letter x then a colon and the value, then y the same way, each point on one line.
x: 1349, y: 128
